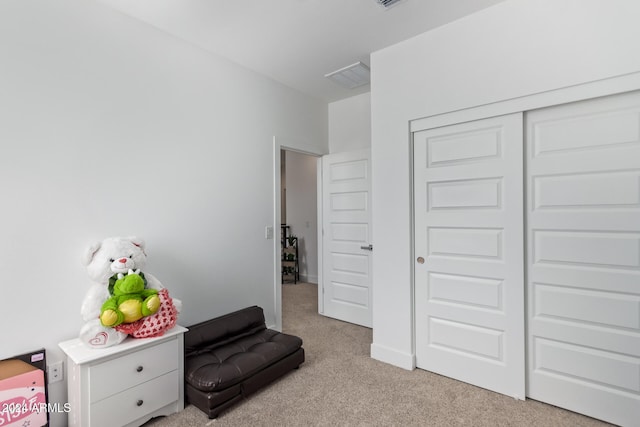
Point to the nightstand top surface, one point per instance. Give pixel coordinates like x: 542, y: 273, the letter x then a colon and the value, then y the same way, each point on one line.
x: 81, y: 353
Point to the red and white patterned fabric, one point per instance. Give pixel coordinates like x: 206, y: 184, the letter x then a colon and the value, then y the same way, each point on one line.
x: 154, y: 325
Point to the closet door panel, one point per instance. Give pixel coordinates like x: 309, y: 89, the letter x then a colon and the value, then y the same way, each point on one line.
x: 469, y: 252
x: 583, y: 250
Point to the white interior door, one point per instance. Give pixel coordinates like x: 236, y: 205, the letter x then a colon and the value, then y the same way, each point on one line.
x: 346, y: 217
x: 469, y: 277
x: 583, y: 208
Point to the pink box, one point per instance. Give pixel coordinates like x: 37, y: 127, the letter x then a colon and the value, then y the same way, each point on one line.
x: 22, y: 394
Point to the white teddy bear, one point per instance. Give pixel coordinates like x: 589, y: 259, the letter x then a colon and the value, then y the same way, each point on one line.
x: 106, y: 260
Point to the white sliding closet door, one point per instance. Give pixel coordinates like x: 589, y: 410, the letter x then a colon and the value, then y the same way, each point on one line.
x: 469, y: 278
x: 583, y: 207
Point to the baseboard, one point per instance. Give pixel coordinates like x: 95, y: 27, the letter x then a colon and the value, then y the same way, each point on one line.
x: 393, y: 357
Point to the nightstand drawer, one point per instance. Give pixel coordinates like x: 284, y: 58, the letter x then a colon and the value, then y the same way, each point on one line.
x: 116, y: 375
x: 136, y: 402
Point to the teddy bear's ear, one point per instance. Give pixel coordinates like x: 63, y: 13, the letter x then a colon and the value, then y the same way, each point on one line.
x: 137, y: 241
x: 90, y: 252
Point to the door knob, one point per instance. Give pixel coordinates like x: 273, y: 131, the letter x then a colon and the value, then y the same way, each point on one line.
x: 420, y: 260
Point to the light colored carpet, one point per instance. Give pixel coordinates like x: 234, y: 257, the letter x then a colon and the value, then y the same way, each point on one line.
x: 340, y: 385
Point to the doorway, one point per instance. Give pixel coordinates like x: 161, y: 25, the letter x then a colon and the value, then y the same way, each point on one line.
x: 274, y: 232
x: 299, y: 214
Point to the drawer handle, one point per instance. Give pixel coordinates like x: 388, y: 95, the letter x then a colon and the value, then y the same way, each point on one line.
x: 139, y: 402
x: 139, y: 368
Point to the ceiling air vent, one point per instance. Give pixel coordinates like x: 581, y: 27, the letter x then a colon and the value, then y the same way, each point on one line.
x: 387, y: 3
x: 351, y: 77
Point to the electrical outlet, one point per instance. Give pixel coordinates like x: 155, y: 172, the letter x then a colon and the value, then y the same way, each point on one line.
x: 54, y: 372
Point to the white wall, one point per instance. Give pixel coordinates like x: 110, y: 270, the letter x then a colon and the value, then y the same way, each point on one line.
x: 513, y: 49
x: 302, y: 213
x: 109, y: 127
x: 350, y: 123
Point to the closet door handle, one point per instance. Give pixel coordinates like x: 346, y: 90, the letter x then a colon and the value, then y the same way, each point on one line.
x: 367, y: 248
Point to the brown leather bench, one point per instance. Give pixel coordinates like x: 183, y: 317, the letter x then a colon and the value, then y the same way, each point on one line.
x: 232, y: 356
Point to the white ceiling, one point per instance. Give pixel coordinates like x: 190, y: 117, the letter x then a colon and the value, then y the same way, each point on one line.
x: 297, y: 42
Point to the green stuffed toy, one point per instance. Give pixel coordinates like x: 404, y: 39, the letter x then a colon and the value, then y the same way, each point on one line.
x: 130, y: 300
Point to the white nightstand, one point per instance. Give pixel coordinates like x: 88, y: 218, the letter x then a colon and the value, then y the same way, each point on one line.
x: 127, y: 384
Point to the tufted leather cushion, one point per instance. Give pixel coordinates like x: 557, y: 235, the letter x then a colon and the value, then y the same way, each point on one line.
x: 225, y: 366
x: 227, y: 350
x: 213, y: 333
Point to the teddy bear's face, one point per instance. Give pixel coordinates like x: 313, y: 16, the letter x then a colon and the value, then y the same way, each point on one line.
x: 114, y: 255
